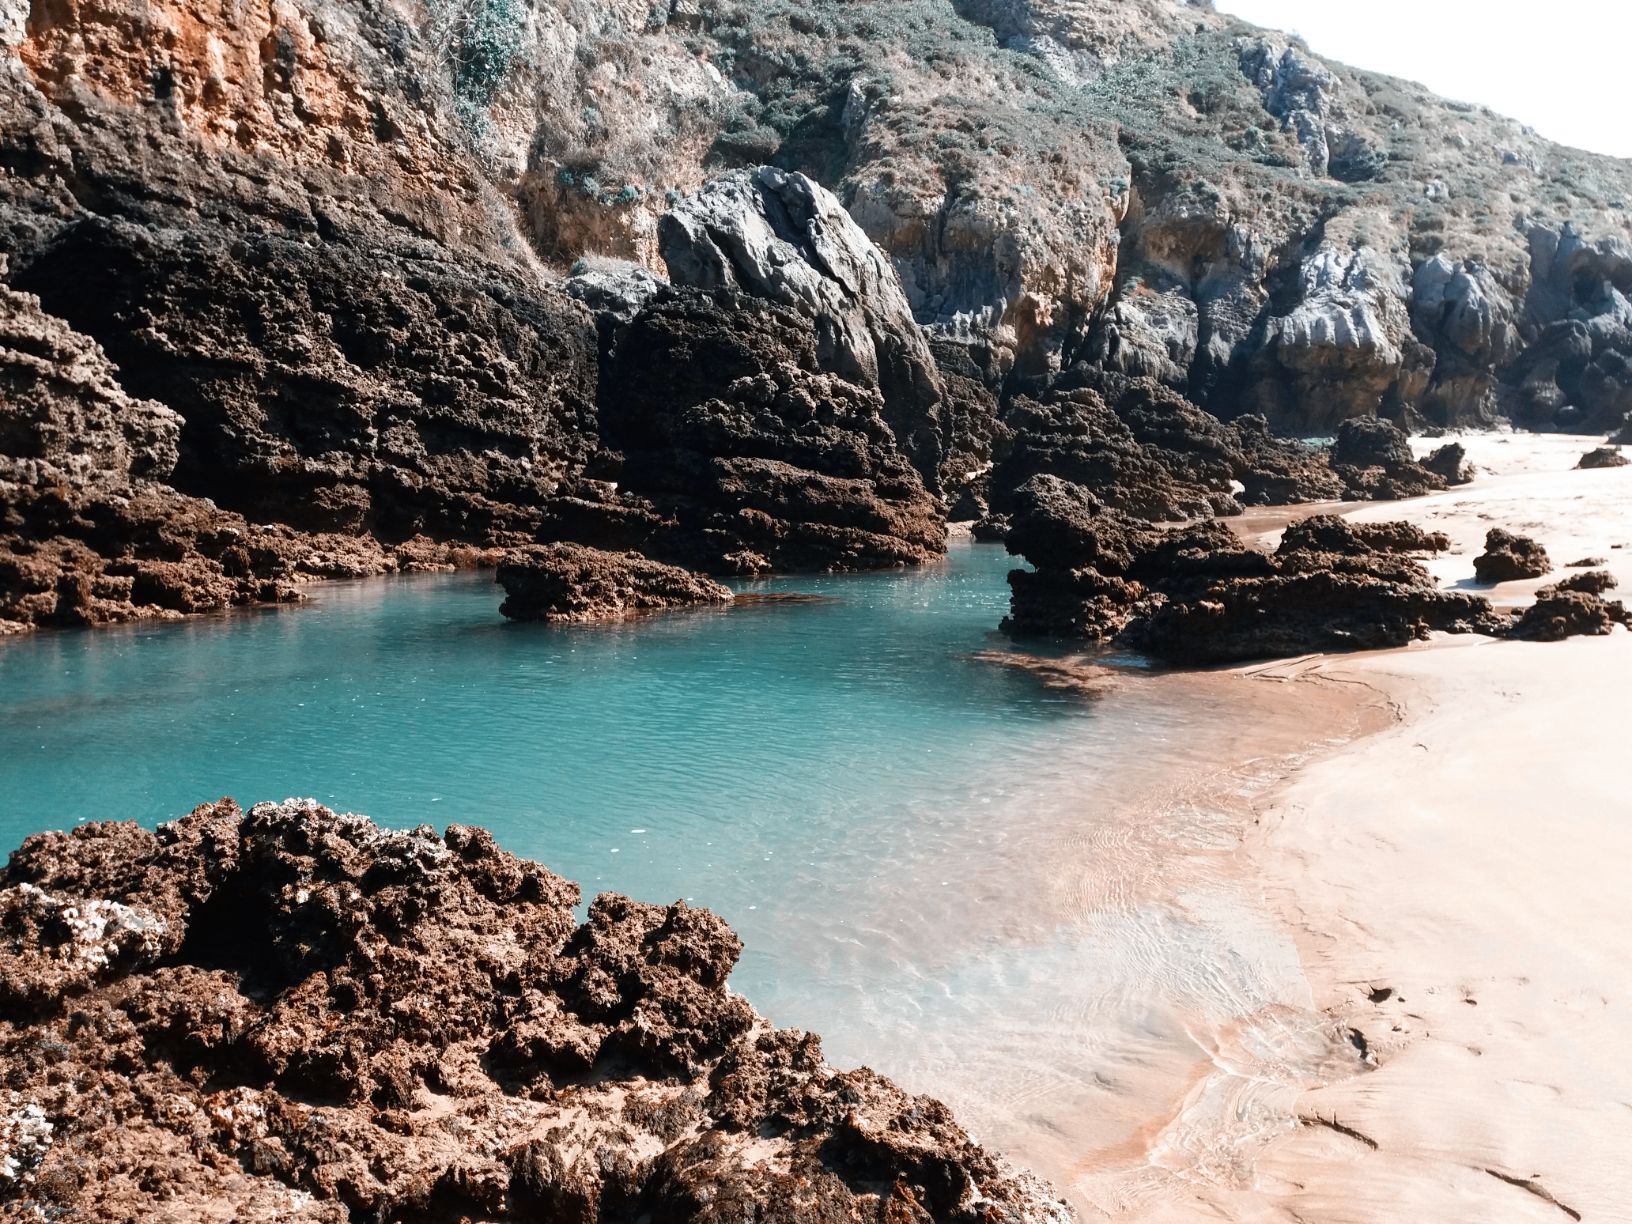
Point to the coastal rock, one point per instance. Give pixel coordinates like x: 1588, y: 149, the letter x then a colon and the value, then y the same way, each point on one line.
x: 293, y: 1015
x: 1509, y: 558
x: 367, y: 398
x: 1603, y: 457
x: 1199, y: 595
x: 1564, y: 611
x: 1327, y: 533
x: 1095, y: 565
x: 782, y: 238
x: 1280, y: 471
x: 1575, y: 372
x: 1450, y: 464
x: 1346, y: 349
x: 734, y: 448
x: 1077, y: 437
x: 570, y: 583
x: 1375, y: 461
x: 1334, y: 587
x: 1145, y: 449
x: 336, y: 245
x: 1461, y: 311
x: 1593, y: 582
x: 91, y: 533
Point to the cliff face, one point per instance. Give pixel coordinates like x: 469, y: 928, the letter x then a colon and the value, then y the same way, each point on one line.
x: 293, y: 1015
x: 1146, y: 185
x: 746, y: 285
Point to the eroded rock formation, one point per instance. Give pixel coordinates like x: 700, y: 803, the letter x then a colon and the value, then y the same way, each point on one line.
x: 1198, y: 594
x: 569, y: 583
x: 292, y: 1015
x: 1509, y: 557
x: 90, y: 532
x: 842, y: 270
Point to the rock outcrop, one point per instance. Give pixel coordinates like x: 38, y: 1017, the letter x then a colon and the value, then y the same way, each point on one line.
x: 1375, y: 461
x: 1565, y: 611
x: 569, y: 583
x: 1603, y: 457
x: 730, y: 448
x: 774, y: 407
x: 1510, y: 558
x: 332, y: 242
x: 782, y: 238
x: 292, y: 1015
x: 90, y: 530
x: 1199, y: 595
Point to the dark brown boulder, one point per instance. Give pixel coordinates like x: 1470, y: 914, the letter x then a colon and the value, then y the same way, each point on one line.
x: 293, y: 1015
x: 1509, y: 558
x: 734, y: 449
x: 1450, y: 463
x: 1603, y: 457
x: 1375, y: 461
x: 1593, y: 582
x: 1198, y: 594
x: 1563, y: 612
x: 570, y: 583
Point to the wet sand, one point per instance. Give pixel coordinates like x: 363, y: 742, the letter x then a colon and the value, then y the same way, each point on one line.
x: 1456, y: 889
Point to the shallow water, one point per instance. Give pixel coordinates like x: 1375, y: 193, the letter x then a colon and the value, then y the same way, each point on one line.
x: 963, y: 878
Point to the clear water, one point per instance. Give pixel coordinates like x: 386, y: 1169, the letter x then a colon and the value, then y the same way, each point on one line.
x: 929, y: 857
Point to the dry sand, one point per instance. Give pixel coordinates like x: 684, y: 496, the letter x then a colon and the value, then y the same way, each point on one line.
x: 1458, y: 889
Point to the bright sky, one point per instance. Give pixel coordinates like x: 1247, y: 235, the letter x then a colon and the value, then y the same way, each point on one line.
x: 1557, y: 65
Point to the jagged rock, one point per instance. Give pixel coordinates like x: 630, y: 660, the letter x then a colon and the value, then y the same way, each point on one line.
x: 1327, y: 533
x: 1144, y: 448
x: 1576, y: 369
x: 90, y: 533
x: 1148, y: 334
x: 1199, y: 595
x: 572, y: 583
x: 1300, y: 91
x: 1593, y: 582
x: 782, y: 238
x: 1509, y: 558
x: 1587, y: 563
x: 1346, y: 349
x: 293, y: 1015
x: 1375, y: 461
x: 1450, y: 464
x: 734, y: 448
x: 1076, y: 436
x: 1603, y: 457
x: 972, y: 422
x: 1094, y: 564
x: 446, y: 402
x: 1362, y: 596
x: 1564, y: 612
x: 64, y: 418
x: 1282, y: 471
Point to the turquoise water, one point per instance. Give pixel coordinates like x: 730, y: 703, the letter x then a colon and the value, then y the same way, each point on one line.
x: 913, y: 843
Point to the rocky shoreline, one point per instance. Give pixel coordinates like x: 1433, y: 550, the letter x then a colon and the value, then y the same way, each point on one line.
x: 289, y: 1014
x: 624, y: 299
x: 322, y: 293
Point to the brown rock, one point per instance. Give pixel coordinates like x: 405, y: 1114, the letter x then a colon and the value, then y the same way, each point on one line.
x: 293, y: 1015
x: 1509, y: 557
x: 572, y: 583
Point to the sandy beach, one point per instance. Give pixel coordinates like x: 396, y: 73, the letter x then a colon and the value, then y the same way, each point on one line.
x: 1456, y: 887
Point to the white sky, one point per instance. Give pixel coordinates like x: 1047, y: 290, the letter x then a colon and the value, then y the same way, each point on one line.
x: 1557, y: 65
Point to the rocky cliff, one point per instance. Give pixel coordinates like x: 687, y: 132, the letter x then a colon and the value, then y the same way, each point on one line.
x: 737, y: 285
x: 292, y: 1015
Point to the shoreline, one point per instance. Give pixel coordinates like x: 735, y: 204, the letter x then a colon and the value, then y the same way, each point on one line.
x: 1451, y: 884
